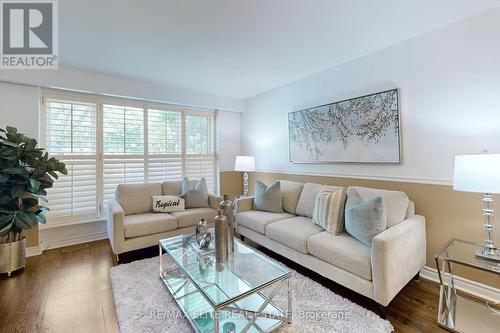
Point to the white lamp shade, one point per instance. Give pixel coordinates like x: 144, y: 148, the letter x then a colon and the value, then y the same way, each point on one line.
x: 477, y: 173
x: 244, y: 163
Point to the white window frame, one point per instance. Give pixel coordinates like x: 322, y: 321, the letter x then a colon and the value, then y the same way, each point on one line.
x: 100, y: 101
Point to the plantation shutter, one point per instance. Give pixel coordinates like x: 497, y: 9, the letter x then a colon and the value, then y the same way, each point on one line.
x: 123, y: 147
x: 164, y: 145
x: 200, y: 158
x: 70, y: 136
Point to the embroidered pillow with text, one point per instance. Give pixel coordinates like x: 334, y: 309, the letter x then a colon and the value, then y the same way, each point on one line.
x: 167, y: 203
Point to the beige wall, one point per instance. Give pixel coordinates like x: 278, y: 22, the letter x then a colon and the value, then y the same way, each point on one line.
x: 448, y: 214
x: 231, y: 182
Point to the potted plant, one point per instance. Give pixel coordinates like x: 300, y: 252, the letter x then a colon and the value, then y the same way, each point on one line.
x: 25, y: 173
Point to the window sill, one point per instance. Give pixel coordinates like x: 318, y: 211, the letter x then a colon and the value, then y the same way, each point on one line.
x: 69, y: 224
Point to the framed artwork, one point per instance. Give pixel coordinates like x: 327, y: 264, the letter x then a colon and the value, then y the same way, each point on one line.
x: 359, y: 130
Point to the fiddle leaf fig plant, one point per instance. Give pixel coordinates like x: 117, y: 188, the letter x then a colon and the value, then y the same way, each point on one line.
x: 26, y: 171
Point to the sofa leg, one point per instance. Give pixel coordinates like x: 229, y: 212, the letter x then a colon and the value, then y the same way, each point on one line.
x: 417, y: 277
x: 117, y: 258
x: 242, y: 238
x: 382, y: 311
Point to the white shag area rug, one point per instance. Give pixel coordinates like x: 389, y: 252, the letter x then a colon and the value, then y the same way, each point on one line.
x: 141, y: 298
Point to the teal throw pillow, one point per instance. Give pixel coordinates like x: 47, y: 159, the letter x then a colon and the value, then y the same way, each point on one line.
x: 364, y: 219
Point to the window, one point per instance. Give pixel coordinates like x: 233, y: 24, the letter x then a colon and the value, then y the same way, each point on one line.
x: 197, y: 134
x: 165, y: 160
x: 164, y: 131
x: 105, y: 144
x: 123, y: 129
x: 70, y: 134
x: 123, y: 151
x: 199, y: 145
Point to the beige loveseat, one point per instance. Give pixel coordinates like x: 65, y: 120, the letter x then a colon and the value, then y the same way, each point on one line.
x: 378, y: 272
x: 132, y: 225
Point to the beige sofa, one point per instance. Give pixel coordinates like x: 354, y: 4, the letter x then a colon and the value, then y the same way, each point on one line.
x: 380, y: 272
x: 132, y: 225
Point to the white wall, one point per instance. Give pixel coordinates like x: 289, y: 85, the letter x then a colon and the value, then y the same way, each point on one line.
x: 449, y: 81
x: 95, y: 82
x: 228, y: 129
x: 19, y: 107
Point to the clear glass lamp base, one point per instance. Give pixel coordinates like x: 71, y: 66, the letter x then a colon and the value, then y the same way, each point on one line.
x: 489, y: 255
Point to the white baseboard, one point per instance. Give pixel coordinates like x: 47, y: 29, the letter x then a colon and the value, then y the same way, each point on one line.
x: 33, y: 251
x: 471, y: 287
x: 67, y: 235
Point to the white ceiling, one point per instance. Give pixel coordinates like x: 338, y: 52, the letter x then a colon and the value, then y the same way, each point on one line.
x: 239, y: 48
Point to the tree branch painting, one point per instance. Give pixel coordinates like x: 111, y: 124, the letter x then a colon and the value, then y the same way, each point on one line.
x: 362, y: 129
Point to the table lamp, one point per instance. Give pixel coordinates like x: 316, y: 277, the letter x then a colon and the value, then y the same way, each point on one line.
x: 245, y: 163
x: 480, y: 173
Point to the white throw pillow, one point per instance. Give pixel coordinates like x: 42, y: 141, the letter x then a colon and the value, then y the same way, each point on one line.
x: 329, y: 209
x: 167, y: 203
x: 305, y: 206
x: 290, y: 194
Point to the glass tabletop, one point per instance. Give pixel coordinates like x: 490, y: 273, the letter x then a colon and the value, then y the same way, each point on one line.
x: 245, y: 271
x: 463, y: 252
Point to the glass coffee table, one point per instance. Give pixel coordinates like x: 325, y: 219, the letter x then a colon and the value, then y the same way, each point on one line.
x: 248, y: 293
x: 458, y: 312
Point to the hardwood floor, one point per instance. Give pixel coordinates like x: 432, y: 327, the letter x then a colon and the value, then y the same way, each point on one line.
x: 63, y: 290
x: 69, y: 290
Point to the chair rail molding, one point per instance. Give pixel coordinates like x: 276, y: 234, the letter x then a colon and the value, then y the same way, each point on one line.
x: 403, y: 179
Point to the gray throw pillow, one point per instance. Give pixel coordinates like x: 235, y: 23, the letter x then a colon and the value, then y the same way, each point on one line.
x: 268, y: 199
x: 364, y: 219
x: 195, y: 195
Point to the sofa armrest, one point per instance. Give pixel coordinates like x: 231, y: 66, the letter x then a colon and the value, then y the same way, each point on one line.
x: 115, y: 226
x: 214, y: 201
x: 398, y: 254
x: 242, y: 204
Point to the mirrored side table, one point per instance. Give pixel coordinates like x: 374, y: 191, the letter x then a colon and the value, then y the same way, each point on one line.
x: 458, y: 312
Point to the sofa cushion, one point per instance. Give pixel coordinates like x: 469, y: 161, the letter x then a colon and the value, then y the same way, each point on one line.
x: 171, y: 187
x: 258, y: 220
x: 195, y: 193
x: 148, y: 223
x: 364, y: 219
x: 329, y: 209
x: 293, y: 232
x: 192, y: 216
x: 137, y: 198
x: 268, y: 198
x: 305, y: 206
x: 342, y: 251
x: 290, y: 194
x: 396, y: 202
